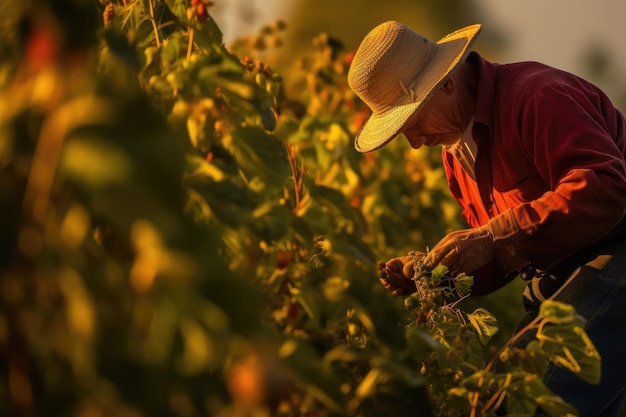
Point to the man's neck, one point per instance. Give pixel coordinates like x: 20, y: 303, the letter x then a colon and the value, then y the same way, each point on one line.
x: 467, y: 78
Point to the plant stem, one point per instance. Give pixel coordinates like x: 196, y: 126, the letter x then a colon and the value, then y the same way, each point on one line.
x: 533, y: 324
x: 295, y: 175
x: 190, y: 44
x: 512, y: 340
x: 154, y: 26
x: 497, y: 398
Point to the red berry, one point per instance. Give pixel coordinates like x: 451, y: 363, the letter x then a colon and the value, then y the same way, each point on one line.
x: 283, y: 259
x: 201, y: 11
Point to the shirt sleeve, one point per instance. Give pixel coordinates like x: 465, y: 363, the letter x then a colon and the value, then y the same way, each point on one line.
x: 577, y: 147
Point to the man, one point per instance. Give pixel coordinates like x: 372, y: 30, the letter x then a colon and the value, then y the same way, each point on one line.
x: 536, y: 158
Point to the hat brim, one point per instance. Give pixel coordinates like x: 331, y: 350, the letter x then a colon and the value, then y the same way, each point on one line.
x: 381, y: 128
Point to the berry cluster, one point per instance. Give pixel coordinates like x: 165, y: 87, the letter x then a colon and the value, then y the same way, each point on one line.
x: 108, y: 14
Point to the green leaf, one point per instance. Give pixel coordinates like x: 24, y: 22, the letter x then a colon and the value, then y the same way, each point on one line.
x: 195, y: 128
x: 236, y: 83
x: 554, y: 406
x: 312, y: 373
x: 271, y: 220
x: 212, y: 30
x: 150, y: 54
x: 438, y: 272
x: 259, y: 154
x: 485, y: 324
x: 317, y: 219
x: 230, y: 202
x: 171, y: 51
x: 420, y: 341
x: 368, y: 385
x: 556, y: 312
x: 208, y: 40
x: 463, y: 284
x: 569, y: 347
x: 178, y: 8
x: 458, y: 398
x: 312, y: 303
x: 334, y: 289
x: 525, y: 392
x: 532, y: 359
x: 480, y: 381
x: 345, y: 354
x: 95, y: 161
x: 324, y: 159
x: 475, y: 357
x: 563, y: 338
x: 447, y: 331
x: 268, y: 117
x: 120, y: 47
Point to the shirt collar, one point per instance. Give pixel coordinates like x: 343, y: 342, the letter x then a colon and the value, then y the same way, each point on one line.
x: 485, y: 90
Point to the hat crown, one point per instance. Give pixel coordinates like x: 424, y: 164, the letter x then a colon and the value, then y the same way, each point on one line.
x: 387, y: 66
x: 395, y: 71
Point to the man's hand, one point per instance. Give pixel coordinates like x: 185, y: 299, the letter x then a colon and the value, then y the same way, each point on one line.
x: 396, y: 275
x: 463, y: 250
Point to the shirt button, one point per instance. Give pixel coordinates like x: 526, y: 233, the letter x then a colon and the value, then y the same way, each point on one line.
x: 512, y: 253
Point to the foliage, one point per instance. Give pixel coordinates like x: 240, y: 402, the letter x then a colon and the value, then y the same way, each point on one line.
x: 186, y: 233
x: 459, y: 380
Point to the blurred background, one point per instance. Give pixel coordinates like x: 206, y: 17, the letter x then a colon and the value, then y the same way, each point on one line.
x: 579, y: 36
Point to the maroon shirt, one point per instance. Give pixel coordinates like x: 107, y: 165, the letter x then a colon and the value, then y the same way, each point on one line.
x: 550, y: 167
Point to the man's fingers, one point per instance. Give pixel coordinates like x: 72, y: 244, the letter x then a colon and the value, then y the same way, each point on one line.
x: 395, y: 280
x: 398, y: 284
x: 394, y: 289
x: 382, y: 273
x: 396, y: 275
x: 408, y: 270
x: 394, y: 265
x: 443, y: 253
x: 449, y: 260
x: 462, y: 251
x: 434, y: 257
x: 398, y: 292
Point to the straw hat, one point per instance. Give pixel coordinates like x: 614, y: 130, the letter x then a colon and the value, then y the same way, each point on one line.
x: 395, y: 70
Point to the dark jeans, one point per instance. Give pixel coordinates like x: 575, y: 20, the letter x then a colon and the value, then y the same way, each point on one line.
x: 597, y: 290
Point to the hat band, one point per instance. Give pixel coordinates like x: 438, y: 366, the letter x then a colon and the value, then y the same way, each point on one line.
x: 411, y: 93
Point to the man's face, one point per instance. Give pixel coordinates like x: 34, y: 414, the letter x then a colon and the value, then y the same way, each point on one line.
x: 435, y: 123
